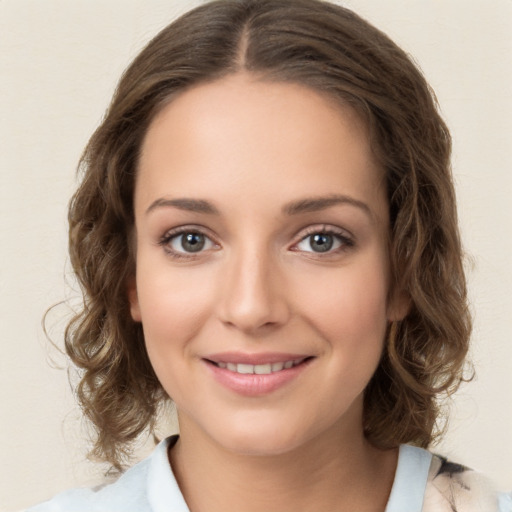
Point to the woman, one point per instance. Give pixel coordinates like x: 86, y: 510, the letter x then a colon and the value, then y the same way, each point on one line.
x: 266, y: 233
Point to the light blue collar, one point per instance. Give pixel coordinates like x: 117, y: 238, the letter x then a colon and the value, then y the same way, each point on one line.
x: 411, y: 476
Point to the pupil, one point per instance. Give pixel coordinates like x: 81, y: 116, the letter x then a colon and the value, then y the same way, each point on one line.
x: 193, y: 242
x: 321, y: 242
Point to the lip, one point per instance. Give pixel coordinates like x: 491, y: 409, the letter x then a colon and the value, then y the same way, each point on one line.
x: 253, y: 384
x: 255, y: 358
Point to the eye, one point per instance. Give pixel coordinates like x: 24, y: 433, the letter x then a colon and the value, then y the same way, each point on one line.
x: 324, y: 241
x: 186, y: 242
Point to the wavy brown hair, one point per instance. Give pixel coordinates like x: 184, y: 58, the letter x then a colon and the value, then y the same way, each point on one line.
x: 332, y: 50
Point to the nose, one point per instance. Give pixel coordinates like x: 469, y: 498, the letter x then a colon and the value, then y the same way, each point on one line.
x: 253, y: 293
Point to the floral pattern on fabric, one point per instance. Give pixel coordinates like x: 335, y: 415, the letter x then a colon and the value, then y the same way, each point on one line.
x: 455, y: 488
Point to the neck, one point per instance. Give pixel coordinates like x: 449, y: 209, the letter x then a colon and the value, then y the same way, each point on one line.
x: 329, y: 473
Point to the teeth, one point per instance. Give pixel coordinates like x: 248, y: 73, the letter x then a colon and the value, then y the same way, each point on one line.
x: 263, y: 369
x: 259, y: 369
x: 277, y: 367
x: 245, y: 368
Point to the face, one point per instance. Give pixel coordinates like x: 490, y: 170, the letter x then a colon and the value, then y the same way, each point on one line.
x: 262, y: 274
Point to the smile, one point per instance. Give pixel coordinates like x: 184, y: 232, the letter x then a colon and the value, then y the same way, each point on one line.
x: 259, y: 369
x: 256, y: 375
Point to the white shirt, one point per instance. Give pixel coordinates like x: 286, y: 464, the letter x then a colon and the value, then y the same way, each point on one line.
x: 423, y: 483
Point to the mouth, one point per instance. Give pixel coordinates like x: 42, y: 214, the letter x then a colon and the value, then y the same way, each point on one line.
x: 256, y: 374
x: 259, y: 369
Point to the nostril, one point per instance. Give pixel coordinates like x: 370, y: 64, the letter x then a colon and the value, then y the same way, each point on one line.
x: 251, y: 297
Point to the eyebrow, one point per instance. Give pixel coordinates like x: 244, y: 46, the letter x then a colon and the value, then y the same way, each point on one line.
x: 305, y: 205
x: 190, y: 205
x: 314, y: 204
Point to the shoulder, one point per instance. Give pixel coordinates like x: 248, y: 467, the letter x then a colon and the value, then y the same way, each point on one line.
x: 131, y: 492
x: 452, y: 487
x: 425, y: 482
x: 127, y: 493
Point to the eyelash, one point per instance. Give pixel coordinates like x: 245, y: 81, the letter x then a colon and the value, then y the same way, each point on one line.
x: 169, y: 236
x: 345, y: 240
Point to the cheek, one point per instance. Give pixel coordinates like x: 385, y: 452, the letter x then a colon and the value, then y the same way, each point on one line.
x: 173, y: 305
x: 349, y: 306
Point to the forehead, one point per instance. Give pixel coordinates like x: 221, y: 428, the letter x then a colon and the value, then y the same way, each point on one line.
x: 243, y: 133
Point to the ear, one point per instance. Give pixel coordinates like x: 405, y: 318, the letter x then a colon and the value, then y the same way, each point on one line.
x: 399, y: 305
x: 133, y: 298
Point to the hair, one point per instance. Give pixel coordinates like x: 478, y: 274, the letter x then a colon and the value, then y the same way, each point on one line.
x: 332, y: 50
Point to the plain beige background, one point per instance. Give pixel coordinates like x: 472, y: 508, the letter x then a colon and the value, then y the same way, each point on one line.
x: 59, y: 62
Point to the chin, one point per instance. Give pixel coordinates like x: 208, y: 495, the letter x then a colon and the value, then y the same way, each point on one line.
x: 260, y: 438
x: 257, y: 445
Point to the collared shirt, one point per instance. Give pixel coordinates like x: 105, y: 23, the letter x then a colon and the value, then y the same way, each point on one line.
x: 423, y: 483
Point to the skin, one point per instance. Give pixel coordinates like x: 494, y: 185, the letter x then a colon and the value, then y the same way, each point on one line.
x: 255, y: 151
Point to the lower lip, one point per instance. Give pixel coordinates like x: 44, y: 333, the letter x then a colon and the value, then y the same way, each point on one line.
x: 253, y: 384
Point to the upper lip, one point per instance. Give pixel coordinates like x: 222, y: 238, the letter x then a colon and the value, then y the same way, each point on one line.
x: 254, y: 359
